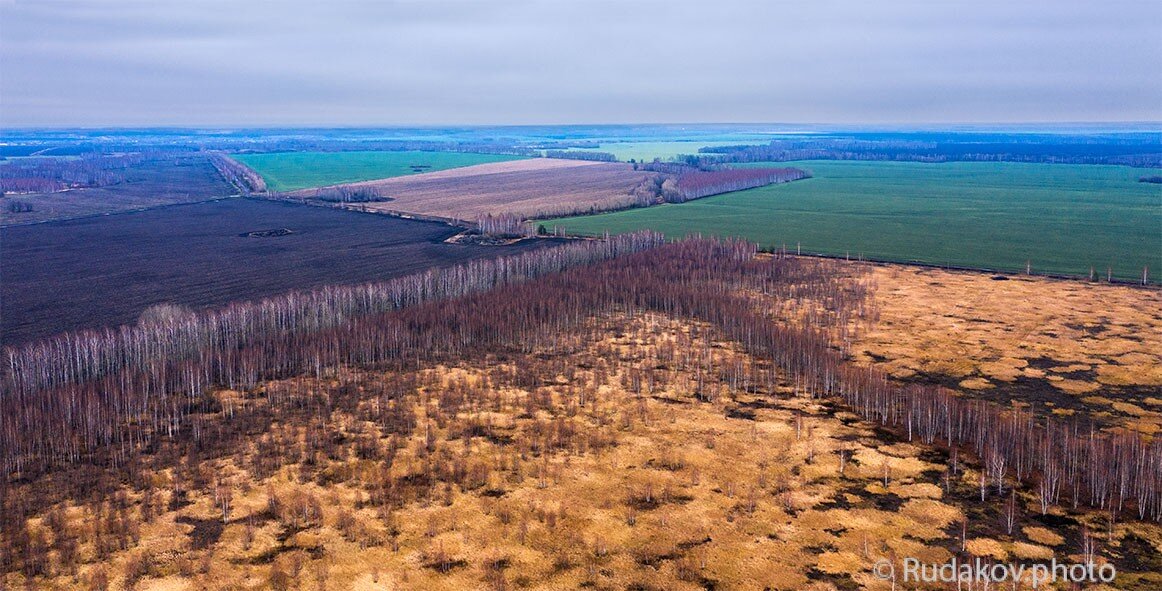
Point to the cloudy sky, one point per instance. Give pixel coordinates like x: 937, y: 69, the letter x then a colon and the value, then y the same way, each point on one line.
x: 348, y: 62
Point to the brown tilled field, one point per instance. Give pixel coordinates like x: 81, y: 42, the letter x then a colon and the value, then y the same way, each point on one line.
x: 539, y: 187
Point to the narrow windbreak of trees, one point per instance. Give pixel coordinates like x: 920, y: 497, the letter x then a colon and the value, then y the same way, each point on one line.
x: 693, y: 178
x: 17, y: 206
x: 241, y: 176
x: 100, y: 398
x: 703, y: 183
x: 504, y: 225
x: 355, y: 194
x: 581, y: 155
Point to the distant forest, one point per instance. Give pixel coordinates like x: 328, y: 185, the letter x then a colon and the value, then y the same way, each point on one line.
x: 1138, y: 149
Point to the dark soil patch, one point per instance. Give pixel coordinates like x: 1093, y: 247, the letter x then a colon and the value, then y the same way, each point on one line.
x: 887, y: 501
x: 268, y: 233
x: 738, y: 413
x: 837, y: 501
x: 883, y: 502
x: 694, y: 543
x: 1137, y: 555
x: 842, y: 582
x: 757, y: 403
x: 1089, y: 330
x: 206, y: 531
x: 446, y: 566
x: 1043, y: 362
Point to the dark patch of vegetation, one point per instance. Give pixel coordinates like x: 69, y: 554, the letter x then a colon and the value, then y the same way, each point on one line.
x: 581, y: 155
x: 842, y: 582
x: 1137, y: 554
x: 268, y: 233
x: 16, y: 206
x: 354, y: 194
x: 838, y: 500
x: 206, y: 531
x: 1094, y: 330
x: 739, y: 413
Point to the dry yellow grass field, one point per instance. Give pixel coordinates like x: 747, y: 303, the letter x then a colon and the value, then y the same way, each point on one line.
x: 643, y: 465
x: 641, y: 453
x: 1066, y: 347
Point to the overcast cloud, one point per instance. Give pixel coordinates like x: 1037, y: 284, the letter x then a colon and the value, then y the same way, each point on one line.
x: 293, y: 62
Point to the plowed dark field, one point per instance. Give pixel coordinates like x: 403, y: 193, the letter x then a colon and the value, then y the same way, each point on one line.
x: 104, y: 271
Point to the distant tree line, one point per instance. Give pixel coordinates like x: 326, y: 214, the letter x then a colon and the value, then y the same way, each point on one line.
x: 685, y: 165
x: 351, y: 194
x: 703, y: 183
x: 327, y: 145
x: 47, y: 175
x: 566, y: 144
x: 1142, y: 154
x: 581, y: 155
x: 682, y: 181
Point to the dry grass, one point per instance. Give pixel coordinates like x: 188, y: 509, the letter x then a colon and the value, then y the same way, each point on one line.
x: 637, y: 462
x: 656, y: 489
x: 1066, y: 346
x: 538, y: 187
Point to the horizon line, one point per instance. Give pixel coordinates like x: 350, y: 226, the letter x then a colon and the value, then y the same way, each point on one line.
x: 837, y: 126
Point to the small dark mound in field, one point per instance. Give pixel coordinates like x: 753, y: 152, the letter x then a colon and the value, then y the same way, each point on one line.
x: 268, y: 233
x: 206, y: 531
x: 1000, y: 278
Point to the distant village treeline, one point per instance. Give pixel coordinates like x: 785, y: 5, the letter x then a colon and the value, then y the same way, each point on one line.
x: 48, y: 175
x: 1136, y: 151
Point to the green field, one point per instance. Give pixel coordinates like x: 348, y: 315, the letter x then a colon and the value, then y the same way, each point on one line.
x: 288, y: 171
x: 1062, y: 218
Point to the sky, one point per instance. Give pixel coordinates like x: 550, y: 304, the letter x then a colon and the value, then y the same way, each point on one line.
x: 122, y: 63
